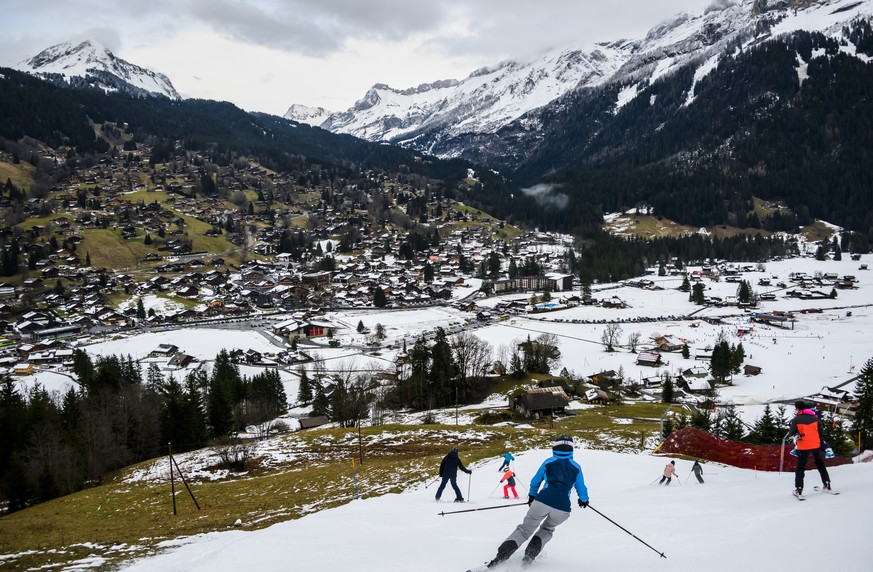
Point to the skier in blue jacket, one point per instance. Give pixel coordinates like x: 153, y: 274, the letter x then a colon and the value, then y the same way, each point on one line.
x: 507, y: 458
x: 550, y: 506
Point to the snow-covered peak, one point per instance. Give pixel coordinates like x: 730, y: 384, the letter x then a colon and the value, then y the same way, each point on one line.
x: 482, y: 102
x: 97, y: 65
x: 444, y: 117
x: 305, y: 114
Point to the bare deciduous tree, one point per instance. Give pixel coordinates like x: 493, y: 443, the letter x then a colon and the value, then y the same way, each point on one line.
x: 611, y: 336
x: 472, y: 356
x: 633, y: 340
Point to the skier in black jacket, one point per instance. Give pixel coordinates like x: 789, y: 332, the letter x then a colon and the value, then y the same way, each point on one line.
x: 449, y: 473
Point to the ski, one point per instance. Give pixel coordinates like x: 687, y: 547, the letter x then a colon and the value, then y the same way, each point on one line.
x: 482, y: 568
x: 829, y: 491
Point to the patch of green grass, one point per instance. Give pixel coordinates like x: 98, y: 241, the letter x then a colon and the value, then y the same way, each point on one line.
x: 125, y: 520
x: 816, y: 231
x: 109, y: 250
x: 21, y: 174
x: 146, y: 197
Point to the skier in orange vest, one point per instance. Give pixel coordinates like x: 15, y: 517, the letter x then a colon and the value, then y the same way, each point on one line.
x: 509, y: 477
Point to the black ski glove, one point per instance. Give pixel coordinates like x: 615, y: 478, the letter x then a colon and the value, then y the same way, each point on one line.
x: 583, y: 503
x: 530, y: 499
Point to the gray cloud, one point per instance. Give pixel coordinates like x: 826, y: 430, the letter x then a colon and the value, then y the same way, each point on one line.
x: 315, y: 28
x: 547, y: 195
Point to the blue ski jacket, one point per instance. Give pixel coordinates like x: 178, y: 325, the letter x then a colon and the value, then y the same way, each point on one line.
x: 561, y: 475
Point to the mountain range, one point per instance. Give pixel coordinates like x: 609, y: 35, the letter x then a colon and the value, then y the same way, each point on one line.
x: 497, y: 114
x: 752, y: 115
x: 90, y: 63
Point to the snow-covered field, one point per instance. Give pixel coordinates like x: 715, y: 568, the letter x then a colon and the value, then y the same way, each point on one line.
x: 737, y: 520
x: 823, y: 349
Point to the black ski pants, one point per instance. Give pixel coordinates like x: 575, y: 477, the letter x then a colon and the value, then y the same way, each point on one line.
x: 450, y: 479
x: 802, y: 457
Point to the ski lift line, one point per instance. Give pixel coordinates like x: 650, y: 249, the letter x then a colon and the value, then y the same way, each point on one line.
x: 599, y: 343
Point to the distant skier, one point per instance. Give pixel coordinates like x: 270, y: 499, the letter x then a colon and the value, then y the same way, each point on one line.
x: 805, y: 425
x: 550, y: 506
x: 507, y: 458
x: 449, y: 473
x: 669, y: 473
x: 698, y: 471
x: 509, y: 477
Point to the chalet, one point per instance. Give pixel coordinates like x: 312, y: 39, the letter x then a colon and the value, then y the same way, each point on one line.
x: 669, y: 343
x: 318, y: 328
x: 555, y: 382
x: 597, y: 396
x: 310, y: 422
x: 651, y: 359
x: 697, y: 372
x: 164, y: 350
x: 693, y: 384
x: 181, y: 360
x: 541, y: 402
x: 605, y: 377
x: 751, y: 369
x: 22, y: 369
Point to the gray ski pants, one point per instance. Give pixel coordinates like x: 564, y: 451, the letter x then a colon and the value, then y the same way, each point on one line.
x: 536, y: 514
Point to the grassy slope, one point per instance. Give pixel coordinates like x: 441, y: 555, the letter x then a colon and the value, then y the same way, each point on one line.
x: 109, y: 250
x: 21, y: 174
x: 128, y: 519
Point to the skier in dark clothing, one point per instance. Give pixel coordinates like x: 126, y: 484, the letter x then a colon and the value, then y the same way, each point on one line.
x: 449, y: 473
x: 698, y: 471
x: 805, y: 425
x: 550, y: 506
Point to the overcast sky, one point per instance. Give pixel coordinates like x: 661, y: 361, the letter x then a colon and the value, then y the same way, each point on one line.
x: 264, y: 55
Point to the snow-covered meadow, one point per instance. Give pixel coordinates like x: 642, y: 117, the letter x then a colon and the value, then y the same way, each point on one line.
x: 822, y: 349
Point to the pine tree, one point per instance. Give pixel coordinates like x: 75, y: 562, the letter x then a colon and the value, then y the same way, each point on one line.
x: 863, y: 420
x: 697, y: 294
x: 766, y: 430
x: 379, y: 298
x: 686, y: 285
x: 304, y: 391
x: 667, y: 389
x: 833, y: 431
x: 320, y: 403
x: 729, y: 425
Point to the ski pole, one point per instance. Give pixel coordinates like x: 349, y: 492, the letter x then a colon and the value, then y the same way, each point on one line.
x: 653, y: 482
x: 492, y: 490
x: 469, y: 483
x: 624, y: 529
x: 484, y: 508
x: 435, y: 480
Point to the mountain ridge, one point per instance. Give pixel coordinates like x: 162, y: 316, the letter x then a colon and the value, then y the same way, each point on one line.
x: 451, y: 119
x: 91, y: 63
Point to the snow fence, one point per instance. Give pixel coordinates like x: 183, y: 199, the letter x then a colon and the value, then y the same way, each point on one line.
x: 693, y: 442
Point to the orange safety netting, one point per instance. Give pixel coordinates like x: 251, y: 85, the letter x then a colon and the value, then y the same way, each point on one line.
x: 697, y: 443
